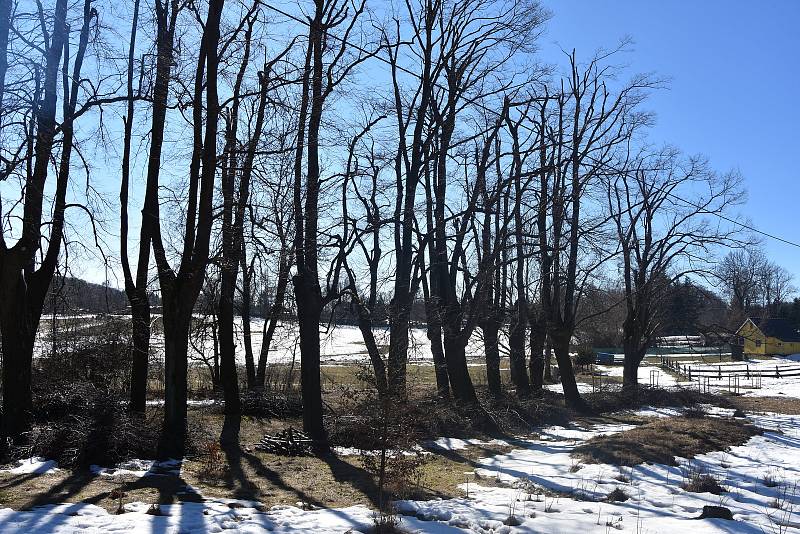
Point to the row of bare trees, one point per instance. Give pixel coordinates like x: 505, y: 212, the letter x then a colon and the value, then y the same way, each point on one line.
x: 337, y: 156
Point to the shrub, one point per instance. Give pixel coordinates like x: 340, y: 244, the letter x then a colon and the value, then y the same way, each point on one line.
x: 84, y: 425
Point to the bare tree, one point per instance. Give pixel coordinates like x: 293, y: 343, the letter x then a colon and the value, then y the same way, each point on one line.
x: 776, y: 286
x: 588, y: 122
x: 365, y: 306
x: 739, y: 274
x: 27, y: 267
x: 319, y: 82
x: 136, y: 290
x: 662, y: 207
x: 180, y: 288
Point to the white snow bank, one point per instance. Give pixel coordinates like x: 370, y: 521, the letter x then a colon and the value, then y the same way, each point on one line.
x: 456, y: 444
x: 36, y: 466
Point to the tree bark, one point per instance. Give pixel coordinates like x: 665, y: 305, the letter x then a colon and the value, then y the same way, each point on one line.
x: 566, y: 373
x: 272, y: 318
x: 249, y: 359
x: 309, y: 311
x: 491, y: 344
x: 140, y: 351
x: 537, y: 361
x: 176, y: 345
x: 516, y: 342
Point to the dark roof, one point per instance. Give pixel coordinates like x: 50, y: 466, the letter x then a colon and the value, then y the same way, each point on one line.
x: 777, y: 328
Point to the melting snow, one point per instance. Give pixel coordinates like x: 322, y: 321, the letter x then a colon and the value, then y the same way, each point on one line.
x: 547, y: 491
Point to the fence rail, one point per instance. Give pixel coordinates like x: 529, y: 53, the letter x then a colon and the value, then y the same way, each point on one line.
x: 726, y: 371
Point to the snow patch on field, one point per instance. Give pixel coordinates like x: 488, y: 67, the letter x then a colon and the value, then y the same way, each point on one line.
x: 137, y: 468
x: 550, y: 491
x: 32, y: 466
x: 457, y: 444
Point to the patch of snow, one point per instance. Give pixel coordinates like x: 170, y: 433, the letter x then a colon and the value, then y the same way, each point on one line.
x: 654, y: 411
x: 456, y: 444
x: 33, y: 466
x: 583, y: 387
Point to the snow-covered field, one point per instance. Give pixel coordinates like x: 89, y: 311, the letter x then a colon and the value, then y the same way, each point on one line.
x: 545, y: 490
x: 338, y: 344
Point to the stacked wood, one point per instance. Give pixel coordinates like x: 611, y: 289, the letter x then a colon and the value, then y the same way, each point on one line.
x: 287, y: 442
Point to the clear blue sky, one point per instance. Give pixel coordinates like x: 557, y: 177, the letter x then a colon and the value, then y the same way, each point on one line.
x: 734, y: 69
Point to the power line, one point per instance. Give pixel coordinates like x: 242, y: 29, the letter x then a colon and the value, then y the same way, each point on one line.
x: 495, y: 112
x: 738, y: 223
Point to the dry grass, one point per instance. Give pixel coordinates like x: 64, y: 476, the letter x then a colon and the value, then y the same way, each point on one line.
x: 660, y: 441
x: 698, y: 482
x: 315, y: 481
x: 790, y: 406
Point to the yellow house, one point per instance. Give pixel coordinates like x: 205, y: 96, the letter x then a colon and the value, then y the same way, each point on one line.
x: 768, y: 337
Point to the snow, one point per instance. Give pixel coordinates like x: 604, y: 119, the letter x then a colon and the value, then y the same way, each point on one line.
x: 456, y: 444
x: 583, y: 387
x: 657, y: 502
x: 137, y: 468
x: 546, y: 490
x: 35, y: 465
x: 653, y: 411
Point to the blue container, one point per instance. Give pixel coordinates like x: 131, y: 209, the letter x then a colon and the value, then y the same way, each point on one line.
x: 604, y: 358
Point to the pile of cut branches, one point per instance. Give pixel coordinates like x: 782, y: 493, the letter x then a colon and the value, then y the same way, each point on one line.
x: 287, y: 442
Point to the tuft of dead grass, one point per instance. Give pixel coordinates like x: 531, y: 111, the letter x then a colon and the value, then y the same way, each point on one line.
x: 660, y: 441
x: 698, y: 482
x: 617, y: 495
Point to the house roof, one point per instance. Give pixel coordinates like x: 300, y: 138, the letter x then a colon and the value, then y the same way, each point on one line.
x: 777, y: 328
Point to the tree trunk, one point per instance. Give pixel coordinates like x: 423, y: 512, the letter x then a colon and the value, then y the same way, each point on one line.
x: 456, y: 357
x: 378, y: 367
x: 271, y: 321
x: 228, y: 375
x: 491, y: 349
x: 433, y: 332
x: 249, y: 360
x: 400, y: 319
x: 309, y: 311
x: 630, y: 371
x: 140, y: 317
x: 572, y: 398
x: 18, y: 334
x: 516, y: 342
x: 634, y: 348
x: 537, y: 361
x: 176, y: 345
x: 548, y: 358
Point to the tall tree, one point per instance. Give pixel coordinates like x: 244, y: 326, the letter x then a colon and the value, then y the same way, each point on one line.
x: 136, y: 290
x: 180, y: 288
x: 319, y: 82
x: 661, y: 205
x: 27, y: 267
x: 588, y: 121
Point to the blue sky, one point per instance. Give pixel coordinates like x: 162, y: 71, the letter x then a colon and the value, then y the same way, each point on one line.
x: 734, y: 69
